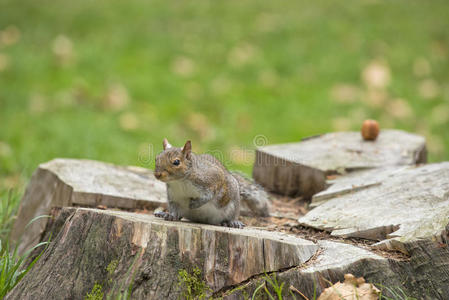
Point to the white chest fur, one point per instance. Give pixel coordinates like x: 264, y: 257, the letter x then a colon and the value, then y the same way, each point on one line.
x: 180, y: 191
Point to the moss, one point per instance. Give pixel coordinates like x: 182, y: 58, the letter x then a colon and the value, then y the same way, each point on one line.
x: 112, y: 266
x: 96, y: 293
x: 192, y: 285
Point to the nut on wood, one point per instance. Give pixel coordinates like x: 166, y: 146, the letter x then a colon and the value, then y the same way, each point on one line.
x: 370, y: 130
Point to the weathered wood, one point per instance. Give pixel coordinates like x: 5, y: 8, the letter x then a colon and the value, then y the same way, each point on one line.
x: 333, y: 260
x: 405, y: 208
x: 352, y: 182
x: 67, y: 182
x: 424, y: 276
x: 394, y: 206
x: 118, y: 250
x: 300, y: 168
x: 87, y: 183
x: 149, y: 252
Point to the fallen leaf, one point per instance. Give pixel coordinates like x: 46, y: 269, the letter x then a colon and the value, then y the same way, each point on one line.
x: 116, y: 98
x: 37, y: 104
x: 376, y: 75
x: 242, y: 156
x: 241, y: 55
x: 128, y: 121
x: 10, y: 35
x: 345, y: 93
x: 375, y: 98
x: 5, y: 149
x: 428, y: 89
x: 62, y: 48
x: 200, y: 124
x: 183, y: 66
x: 399, y: 109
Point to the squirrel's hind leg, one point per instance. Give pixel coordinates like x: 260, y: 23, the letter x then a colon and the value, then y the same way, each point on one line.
x: 233, y: 224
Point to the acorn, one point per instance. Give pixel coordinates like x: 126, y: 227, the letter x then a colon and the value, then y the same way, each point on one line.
x: 370, y: 130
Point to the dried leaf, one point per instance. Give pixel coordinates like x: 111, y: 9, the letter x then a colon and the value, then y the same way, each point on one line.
x: 376, y: 75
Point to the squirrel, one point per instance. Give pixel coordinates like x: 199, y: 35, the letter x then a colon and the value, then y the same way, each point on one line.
x: 202, y: 190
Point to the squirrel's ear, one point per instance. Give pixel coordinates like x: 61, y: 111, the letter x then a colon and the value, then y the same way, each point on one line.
x: 187, y: 149
x: 166, y: 144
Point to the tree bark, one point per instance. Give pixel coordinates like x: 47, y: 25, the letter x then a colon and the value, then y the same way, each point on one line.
x: 75, y: 182
x: 148, y: 253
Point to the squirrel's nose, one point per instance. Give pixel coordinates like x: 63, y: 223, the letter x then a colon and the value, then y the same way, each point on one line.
x: 157, y: 175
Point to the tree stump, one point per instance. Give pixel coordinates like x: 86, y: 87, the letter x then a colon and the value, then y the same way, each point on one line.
x: 394, y: 206
x: 122, y: 251
x: 148, y: 253
x: 401, y: 208
x: 75, y: 182
x: 299, y: 169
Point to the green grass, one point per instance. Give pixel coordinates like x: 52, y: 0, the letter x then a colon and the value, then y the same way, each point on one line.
x: 8, y: 209
x: 216, y: 72
x: 13, y: 266
x: 275, y: 286
x: 396, y: 294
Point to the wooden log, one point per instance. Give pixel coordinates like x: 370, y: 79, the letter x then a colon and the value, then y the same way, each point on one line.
x: 300, y: 168
x: 424, y: 275
x: 394, y: 207
x: 119, y: 249
x: 351, y: 182
x: 123, y: 251
x: 68, y: 182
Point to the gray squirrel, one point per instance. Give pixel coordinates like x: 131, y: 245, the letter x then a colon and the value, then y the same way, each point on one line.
x: 202, y: 190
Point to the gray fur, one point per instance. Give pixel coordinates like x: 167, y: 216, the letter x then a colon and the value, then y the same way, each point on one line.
x: 200, y: 188
x: 254, y: 196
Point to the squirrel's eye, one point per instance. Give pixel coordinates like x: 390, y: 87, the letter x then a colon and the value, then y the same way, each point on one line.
x: 176, y: 162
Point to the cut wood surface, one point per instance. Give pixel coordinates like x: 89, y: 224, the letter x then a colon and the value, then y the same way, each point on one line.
x: 393, y: 206
x: 299, y: 168
x: 69, y: 182
x: 352, y: 182
x: 154, y: 250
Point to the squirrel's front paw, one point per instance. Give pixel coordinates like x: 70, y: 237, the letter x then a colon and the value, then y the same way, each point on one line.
x: 167, y: 216
x: 234, y: 224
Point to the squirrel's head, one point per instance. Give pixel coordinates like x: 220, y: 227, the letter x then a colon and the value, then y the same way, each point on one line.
x: 173, y: 162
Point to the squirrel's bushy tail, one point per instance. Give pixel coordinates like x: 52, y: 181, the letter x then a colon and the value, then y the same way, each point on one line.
x: 253, y: 195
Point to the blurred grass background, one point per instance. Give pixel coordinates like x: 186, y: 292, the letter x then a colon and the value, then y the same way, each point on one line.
x: 105, y: 79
